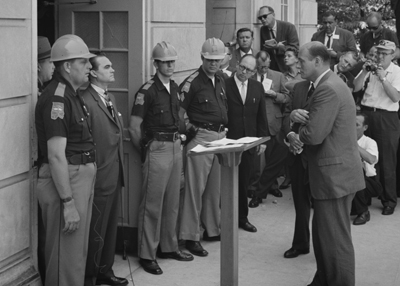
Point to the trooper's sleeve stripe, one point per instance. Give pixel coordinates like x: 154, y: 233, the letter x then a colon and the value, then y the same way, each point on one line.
x: 186, y: 86
x: 60, y: 90
x: 148, y: 84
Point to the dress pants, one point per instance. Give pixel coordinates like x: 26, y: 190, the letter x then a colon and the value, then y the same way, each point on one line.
x: 384, y: 128
x: 103, y: 236
x: 302, y: 203
x: 65, y: 254
x: 246, y: 168
x: 333, y: 246
x: 275, y: 158
x: 360, y: 202
x: 201, y: 203
x: 159, y: 205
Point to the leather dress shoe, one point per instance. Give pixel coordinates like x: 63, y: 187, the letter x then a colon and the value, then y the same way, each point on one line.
x: 285, y: 185
x: 112, y: 281
x: 177, y: 255
x: 150, y: 266
x: 276, y: 193
x: 292, y: 252
x: 362, y: 218
x: 247, y: 226
x: 194, y: 247
x: 255, y: 202
x: 388, y: 210
x: 211, y: 238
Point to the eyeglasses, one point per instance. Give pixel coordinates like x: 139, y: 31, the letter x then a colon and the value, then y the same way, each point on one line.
x: 372, y: 28
x: 264, y: 16
x: 245, y: 70
x: 383, y: 54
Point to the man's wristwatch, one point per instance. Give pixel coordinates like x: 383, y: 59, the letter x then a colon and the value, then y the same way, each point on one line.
x: 66, y: 200
x: 383, y: 80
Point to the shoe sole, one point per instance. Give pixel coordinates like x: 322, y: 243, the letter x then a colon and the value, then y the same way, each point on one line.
x: 175, y: 258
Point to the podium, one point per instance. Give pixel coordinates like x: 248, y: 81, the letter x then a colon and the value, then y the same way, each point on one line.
x: 229, y: 158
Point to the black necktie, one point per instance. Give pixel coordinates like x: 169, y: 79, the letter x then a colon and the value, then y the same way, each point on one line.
x: 262, y: 78
x: 271, y: 32
x: 310, y: 91
x: 109, y: 104
x: 328, y: 44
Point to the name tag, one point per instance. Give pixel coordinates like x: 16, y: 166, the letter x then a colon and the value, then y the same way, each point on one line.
x: 335, y: 37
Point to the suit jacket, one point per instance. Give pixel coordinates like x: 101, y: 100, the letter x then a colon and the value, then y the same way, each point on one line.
x: 236, y: 58
x: 275, y: 107
x: 107, y: 135
x: 345, y: 43
x: 285, y: 31
x: 331, y: 141
x: 248, y: 119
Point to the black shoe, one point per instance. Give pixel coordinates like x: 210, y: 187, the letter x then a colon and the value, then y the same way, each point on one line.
x: 362, y: 218
x: 210, y: 238
x: 112, y: 281
x: 285, y: 185
x: 250, y: 194
x: 255, y: 202
x: 388, y: 210
x: 276, y: 193
x: 292, y: 253
x: 177, y: 255
x: 247, y: 226
x: 150, y: 266
x: 194, y: 247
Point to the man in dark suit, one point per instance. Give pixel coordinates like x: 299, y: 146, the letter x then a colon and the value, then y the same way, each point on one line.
x: 337, y: 40
x: 276, y: 96
x: 279, y: 35
x: 107, y: 130
x: 297, y: 162
x: 246, y: 117
x: 328, y: 131
x: 245, y: 37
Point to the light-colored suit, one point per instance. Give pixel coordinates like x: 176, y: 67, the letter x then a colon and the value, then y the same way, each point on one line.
x: 335, y: 175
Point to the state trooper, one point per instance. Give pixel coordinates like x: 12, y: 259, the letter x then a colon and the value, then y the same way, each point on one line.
x: 204, y: 101
x: 66, y: 176
x: 154, y: 125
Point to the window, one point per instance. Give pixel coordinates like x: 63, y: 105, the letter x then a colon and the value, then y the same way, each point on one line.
x: 284, y: 10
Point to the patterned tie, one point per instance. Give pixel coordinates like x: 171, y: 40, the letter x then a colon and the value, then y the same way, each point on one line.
x: 243, y: 93
x: 109, y: 104
x: 328, y: 44
x: 310, y: 91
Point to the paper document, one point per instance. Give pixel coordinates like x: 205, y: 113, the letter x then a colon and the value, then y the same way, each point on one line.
x: 267, y: 83
x: 226, y: 141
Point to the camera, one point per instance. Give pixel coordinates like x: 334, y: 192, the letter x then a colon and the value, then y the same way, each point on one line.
x: 371, y: 67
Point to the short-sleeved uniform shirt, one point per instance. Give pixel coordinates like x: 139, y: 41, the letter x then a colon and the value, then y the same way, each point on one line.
x: 202, y: 101
x: 59, y: 112
x: 158, y: 107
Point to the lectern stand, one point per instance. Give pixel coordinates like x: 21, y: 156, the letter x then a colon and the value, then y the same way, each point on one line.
x: 229, y: 158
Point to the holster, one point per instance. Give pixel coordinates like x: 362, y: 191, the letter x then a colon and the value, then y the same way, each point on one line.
x: 190, y: 134
x: 144, y: 145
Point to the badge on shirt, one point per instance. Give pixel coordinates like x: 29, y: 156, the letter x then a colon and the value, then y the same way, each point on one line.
x: 182, y: 97
x: 139, y: 99
x: 186, y: 87
x: 57, y: 110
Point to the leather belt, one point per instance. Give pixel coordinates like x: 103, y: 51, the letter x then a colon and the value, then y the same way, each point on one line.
x: 82, y: 158
x: 209, y: 126
x: 374, y: 109
x: 166, y: 136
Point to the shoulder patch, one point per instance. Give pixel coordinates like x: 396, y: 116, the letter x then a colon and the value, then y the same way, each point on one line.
x: 186, y: 86
x: 60, y: 90
x: 139, y: 99
x: 147, y: 85
x: 57, y: 110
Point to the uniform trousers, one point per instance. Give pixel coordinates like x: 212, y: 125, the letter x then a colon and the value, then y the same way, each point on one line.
x: 384, y: 128
x: 302, y: 203
x: 333, y: 246
x: 65, y: 254
x: 103, y: 236
x: 202, y: 190
x: 159, y: 205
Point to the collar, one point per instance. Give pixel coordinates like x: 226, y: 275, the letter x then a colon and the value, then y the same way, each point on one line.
x: 204, y: 77
x: 239, y: 83
x: 275, y: 27
x: 333, y: 33
x: 99, y: 90
x: 159, y: 83
x: 361, y: 138
x: 57, y: 76
x: 250, y: 52
x: 319, y: 78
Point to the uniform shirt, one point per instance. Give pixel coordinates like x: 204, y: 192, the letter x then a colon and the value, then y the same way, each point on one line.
x: 158, y: 108
x: 371, y: 147
x: 202, y: 102
x: 375, y: 95
x: 59, y: 112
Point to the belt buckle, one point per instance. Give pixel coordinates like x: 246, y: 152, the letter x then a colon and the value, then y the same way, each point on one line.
x: 176, y: 136
x: 220, y: 128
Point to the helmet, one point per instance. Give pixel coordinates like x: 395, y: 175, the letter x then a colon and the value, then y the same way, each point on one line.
x: 69, y: 47
x: 213, y: 49
x: 164, y: 51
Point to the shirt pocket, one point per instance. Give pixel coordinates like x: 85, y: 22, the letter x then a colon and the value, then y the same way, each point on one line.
x: 205, y: 104
x: 330, y: 161
x: 161, y: 115
x: 82, y: 128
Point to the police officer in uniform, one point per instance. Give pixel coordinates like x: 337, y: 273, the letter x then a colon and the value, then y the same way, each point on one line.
x: 66, y: 177
x: 154, y: 127
x: 203, y: 99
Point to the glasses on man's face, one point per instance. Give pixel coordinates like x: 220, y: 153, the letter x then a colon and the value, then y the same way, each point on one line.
x: 383, y: 54
x: 264, y: 16
x: 246, y: 70
x: 372, y: 28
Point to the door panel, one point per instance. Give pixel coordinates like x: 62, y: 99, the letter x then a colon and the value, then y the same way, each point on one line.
x: 111, y: 27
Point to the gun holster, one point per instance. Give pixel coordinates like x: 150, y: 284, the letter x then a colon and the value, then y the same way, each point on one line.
x: 144, y: 145
x: 190, y: 134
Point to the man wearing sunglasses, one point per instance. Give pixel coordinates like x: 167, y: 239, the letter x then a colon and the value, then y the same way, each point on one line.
x: 276, y: 35
x: 376, y: 32
x: 381, y: 103
x: 337, y: 40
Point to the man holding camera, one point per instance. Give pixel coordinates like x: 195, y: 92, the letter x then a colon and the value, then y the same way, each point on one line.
x: 381, y: 103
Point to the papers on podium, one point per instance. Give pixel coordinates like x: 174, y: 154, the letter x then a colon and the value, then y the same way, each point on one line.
x: 223, y: 143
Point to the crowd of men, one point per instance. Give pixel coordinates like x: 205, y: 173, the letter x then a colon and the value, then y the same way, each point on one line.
x: 314, y: 102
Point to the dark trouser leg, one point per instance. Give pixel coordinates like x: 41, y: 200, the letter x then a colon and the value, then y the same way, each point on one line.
x: 245, y: 171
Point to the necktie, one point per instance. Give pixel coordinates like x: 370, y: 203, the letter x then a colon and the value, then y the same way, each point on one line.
x: 262, y: 78
x: 109, y: 104
x: 310, y: 91
x: 271, y: 32
x: 243, y: 93
x: 328, y: 44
